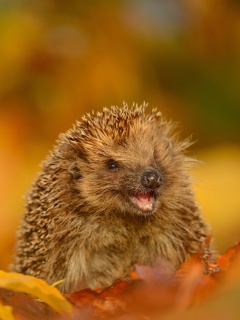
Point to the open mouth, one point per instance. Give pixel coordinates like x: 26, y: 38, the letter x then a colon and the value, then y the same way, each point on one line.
x: 143, y: 201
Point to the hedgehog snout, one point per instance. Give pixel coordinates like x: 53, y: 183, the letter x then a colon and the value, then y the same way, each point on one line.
x: 151, y: 179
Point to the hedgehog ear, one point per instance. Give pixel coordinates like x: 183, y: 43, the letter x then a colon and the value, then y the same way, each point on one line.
x: 75, y: 171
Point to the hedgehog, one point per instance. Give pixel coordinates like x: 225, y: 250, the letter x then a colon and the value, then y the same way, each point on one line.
x: 115, y: 192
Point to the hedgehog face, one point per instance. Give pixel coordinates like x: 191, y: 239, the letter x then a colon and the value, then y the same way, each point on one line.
x: 129, y: 169
x: 127, y: 177
x: 137, y: 183
x: 129, y: 185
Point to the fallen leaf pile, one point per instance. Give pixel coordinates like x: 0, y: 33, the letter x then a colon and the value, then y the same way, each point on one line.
x: 199, y: 288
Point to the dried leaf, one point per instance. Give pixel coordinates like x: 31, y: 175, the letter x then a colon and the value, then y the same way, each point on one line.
x: 149, y: 292
x: 37, y: 288
x: 83, y: 297
x: 24, y: 306
x: 105, y: 301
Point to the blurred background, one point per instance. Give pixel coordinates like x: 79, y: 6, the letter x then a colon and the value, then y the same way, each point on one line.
x: 60, y: 59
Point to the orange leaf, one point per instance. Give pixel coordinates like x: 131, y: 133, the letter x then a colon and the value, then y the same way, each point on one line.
x: 82, y: 297
x: 37, y: 288
x: 25, y: 306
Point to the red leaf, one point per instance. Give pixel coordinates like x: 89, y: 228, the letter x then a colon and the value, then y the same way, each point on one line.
x: 83, y: 297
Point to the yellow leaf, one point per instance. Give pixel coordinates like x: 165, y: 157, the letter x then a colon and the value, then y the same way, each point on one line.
x: 37, y: 288
x: 6, y: 313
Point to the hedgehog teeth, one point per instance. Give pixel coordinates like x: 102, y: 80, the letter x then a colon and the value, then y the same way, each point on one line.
x: 143, y: 201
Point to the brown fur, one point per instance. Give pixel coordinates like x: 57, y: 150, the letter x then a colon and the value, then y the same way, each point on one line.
x: 79, y: 223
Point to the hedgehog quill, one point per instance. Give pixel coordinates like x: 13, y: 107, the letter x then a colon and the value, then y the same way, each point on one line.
x: 114, y: 192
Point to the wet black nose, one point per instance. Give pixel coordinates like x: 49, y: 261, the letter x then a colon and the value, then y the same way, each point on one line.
x: 151, y: 178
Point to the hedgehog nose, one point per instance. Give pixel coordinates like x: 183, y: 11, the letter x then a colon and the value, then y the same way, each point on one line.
x: 151, y: 179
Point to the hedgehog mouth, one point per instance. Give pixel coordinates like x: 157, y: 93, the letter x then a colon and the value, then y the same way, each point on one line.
x: 144, y: 201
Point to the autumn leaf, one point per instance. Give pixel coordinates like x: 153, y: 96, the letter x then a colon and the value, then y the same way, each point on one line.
x: 25, y: 306
x: 157, y: 291
x: 37, y: 288
x: 147, y: 293
x: 104, y: 301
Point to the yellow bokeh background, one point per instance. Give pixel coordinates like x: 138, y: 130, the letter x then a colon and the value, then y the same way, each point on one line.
x: 60, y: 59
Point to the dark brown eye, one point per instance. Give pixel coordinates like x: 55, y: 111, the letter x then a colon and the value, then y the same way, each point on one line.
x: 112, y: 165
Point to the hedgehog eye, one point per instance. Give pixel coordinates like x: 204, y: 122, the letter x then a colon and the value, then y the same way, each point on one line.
x: 112, y: 165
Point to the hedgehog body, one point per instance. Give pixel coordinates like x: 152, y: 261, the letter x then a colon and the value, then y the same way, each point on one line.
x: 114, y: 192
